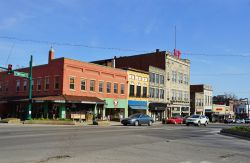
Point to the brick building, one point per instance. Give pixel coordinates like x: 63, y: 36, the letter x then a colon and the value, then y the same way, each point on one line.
x: 177, y: 73
x: 66, y: 87
x: 201, y: 99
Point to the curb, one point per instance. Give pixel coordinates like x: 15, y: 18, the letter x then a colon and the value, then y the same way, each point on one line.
x: 236, y: 136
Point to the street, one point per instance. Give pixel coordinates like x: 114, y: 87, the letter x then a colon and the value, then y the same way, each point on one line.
x: 158, y: 143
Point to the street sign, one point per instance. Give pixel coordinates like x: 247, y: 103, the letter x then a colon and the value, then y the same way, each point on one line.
x: 21, y: 74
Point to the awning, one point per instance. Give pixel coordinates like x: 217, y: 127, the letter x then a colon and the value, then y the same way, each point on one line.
x: 138, y: 107
x: 70, y: 99
x: 60, y: 99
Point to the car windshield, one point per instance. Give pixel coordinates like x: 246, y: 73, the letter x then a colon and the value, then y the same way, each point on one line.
x: 195, y: 116
x: 134, y: 116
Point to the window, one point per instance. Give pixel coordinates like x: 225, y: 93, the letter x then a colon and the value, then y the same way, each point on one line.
x: 174, y: 76
x: 72, y: 83
x: 161, y: 93
x: 46, y: 83
x: 108, y: 87
x: 152, y: 77
x: 1, y: 89
x: 151, y: 92
x: 161, y: 79
x: 83, y: 85
x: 92, y: 85
x: 144, y: 92
x: 122, y: 89
x: 18, y: 85
x: 24, y: 85
x: 138, y: 91
x: 39, y: 84
x: 115, y: 88
x: 131, y: 90
x: 157, y: 78
x: 56, y: 82
x: 156, y: 93
x: 100, y: 86
x: 180, y: 78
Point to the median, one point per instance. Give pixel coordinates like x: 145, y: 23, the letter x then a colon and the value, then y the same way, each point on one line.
x: 50, y: 122
x: 237, y: 131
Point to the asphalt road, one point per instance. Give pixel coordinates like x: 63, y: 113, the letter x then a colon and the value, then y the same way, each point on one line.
x: 114, y: 144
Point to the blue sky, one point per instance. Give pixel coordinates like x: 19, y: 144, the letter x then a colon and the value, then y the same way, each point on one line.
x: 214, y: 28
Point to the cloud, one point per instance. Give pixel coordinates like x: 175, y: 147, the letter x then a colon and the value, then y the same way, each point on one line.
x: 13, y: 21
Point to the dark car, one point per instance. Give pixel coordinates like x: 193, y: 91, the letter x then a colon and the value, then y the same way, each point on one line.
x: 229, y: 120
x: 247, y: 120
x: 138, y: 119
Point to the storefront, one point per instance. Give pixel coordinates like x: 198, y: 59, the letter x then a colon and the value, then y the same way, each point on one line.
x: 220, y: 113
x: 115, y: 109
x: 158, y: 111
x: 135, y: 106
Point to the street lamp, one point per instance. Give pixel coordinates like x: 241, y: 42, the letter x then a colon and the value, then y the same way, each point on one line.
x: 247, y: 105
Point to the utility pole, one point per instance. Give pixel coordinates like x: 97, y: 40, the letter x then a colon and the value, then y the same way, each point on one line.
x: 30, y: 90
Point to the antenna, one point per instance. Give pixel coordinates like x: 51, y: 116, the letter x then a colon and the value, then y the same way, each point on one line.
x: 175, y: 37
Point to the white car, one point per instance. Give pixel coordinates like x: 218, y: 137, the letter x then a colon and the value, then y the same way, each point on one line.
x: 197, y: 120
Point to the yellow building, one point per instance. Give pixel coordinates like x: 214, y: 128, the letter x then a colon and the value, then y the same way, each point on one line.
x: 138, y: 86
x: 220, y: 112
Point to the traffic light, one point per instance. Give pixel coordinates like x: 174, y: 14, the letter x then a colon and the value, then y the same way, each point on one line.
x: 9, y: 68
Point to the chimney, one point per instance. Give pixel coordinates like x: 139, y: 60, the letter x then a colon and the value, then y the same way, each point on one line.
x: 51, y: 55
x: 113, y: 64
x: 157, y: 51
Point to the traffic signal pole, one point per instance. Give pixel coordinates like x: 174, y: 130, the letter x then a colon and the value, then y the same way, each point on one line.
x: 30, y: 90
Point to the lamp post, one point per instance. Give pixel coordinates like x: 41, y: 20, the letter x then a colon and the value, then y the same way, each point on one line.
x: 247, y: 104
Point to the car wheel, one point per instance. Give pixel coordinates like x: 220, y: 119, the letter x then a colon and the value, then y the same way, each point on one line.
x: 136, y: 123
x: 205, y: 124
x: 199, y: 123
x: 187, y: 124
x: 124, y: 124
x: 149, y: 123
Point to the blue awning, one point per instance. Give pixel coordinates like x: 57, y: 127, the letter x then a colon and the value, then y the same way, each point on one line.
x: 138, y: 107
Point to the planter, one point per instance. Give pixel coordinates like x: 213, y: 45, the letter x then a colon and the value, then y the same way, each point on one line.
x: 11, y: 120
x: 101, y: 123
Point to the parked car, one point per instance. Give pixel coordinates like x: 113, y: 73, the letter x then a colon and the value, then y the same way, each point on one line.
x: 247, y: 120
x: 197, y: 120
x: 138, y: 119
x: 240, y: 121
x: 185, y: 118
x: 175, y: 120
x: 229, y: 120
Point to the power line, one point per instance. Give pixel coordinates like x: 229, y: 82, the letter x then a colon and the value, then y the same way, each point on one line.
x: 69, y: 44
x: 11, y: 50
x: 118, y: 49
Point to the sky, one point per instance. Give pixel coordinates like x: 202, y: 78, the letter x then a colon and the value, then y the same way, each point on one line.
x: 213, y: 34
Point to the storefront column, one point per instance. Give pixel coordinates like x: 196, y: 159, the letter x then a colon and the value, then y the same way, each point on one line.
x: 46, y: 109
x: 62, y: 111
x: 126, y: 111
x: 95, y: 112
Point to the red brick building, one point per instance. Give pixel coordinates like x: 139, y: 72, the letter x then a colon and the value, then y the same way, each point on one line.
x: 65, y: 86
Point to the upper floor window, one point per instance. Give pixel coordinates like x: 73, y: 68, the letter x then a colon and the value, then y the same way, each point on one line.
x: 138, y: 91
x: 151, y: 92
x: 72, y: 83
x: 92, y: 85
x: 100, y: 86
x: 152, y: 77
x: 122, y: 88
x: 131, y: 90
x: 24, y: 85
x: 39, y: 84
x: 1, y: 89
x: 46, y: 83
x: 56, y: 82
x: 32, y: 85
x: 161, y: 93
x: 115, y: 88
x: 83, y: 85
x: 18, y: 85
x: 108, y: 87
x: 161, y: 79
x: 156, y: 93
x: 144, y: 92
x: 157, y: 78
